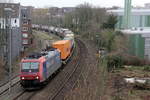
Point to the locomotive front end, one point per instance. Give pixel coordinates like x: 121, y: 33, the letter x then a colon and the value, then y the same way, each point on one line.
x: 29, y: 75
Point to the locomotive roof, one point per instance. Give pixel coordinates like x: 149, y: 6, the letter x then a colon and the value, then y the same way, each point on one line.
x: 37, y: 55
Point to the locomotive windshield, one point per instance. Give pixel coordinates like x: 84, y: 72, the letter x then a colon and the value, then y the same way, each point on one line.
x: 30, y: 66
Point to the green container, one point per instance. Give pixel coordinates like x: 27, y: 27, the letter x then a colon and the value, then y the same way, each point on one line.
x: 136, y: 45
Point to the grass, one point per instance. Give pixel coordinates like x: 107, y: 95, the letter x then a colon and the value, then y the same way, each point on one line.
x: 103, y: 74
x: 45, y: 36
x: 42, y: 39
x: 40, y: 35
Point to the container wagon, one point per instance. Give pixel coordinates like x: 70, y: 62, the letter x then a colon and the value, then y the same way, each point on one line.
x: 65, y: 48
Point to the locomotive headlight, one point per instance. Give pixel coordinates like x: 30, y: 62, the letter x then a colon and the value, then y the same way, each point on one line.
x: 37, y: 77
x: 22, y: 78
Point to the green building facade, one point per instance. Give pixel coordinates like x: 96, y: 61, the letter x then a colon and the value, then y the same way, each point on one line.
x: 138, y: 42
x: 139, y: 17
x: 136, y: 45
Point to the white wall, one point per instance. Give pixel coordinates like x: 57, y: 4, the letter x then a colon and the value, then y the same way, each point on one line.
x: 13, y: 24
x: 17, y: 24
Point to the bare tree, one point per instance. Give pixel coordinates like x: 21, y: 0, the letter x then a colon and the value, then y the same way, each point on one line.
x: 86, y: 19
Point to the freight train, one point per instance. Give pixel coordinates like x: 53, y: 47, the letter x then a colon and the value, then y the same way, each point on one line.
x: 36, y: 68
x: 61, y: 32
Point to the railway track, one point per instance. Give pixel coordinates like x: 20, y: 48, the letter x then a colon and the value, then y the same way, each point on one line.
x: 58, y: 84
x: 77, y: 70
x: 5, y: 82
x: 5, y: 86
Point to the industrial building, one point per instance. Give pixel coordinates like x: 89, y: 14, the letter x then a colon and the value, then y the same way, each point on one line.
x: 139, y: 17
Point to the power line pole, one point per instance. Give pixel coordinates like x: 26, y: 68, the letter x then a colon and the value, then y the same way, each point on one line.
x: 8, y: 12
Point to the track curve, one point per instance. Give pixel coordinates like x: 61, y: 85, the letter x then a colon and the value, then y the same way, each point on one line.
x: 59, y: 84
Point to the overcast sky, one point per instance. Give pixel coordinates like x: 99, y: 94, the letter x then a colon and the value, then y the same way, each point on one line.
x: 73, y: 3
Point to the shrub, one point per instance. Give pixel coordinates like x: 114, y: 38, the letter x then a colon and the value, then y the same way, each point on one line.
x: 133, y: 60
x: 114, y: 61
x: 146, y: 68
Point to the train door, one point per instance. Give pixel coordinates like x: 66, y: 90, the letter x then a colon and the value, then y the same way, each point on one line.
x: 44, y: 70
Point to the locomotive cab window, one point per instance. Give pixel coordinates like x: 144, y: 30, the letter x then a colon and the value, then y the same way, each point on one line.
x: 30, y: 66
